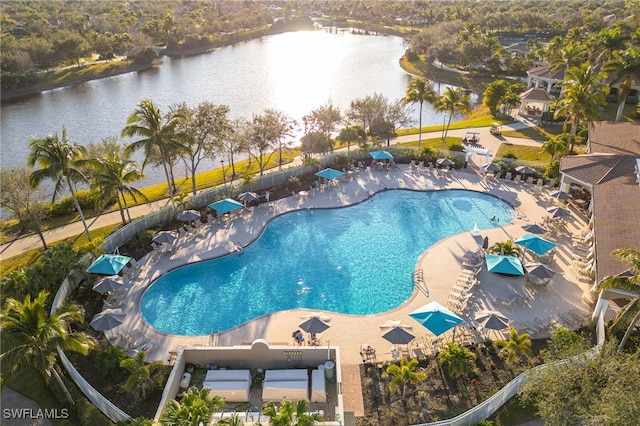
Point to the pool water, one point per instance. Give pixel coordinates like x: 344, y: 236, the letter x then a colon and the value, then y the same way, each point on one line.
x: 354, y: 260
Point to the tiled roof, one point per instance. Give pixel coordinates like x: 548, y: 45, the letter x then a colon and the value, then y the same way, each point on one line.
x: 615, y: 138
x: 535, y: 94
x: 543, y: 72
x: 609, y: 169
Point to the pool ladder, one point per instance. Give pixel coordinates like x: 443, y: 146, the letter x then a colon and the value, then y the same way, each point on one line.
x: 418, y: 281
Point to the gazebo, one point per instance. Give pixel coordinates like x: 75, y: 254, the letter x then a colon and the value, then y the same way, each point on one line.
x: 535, y: 102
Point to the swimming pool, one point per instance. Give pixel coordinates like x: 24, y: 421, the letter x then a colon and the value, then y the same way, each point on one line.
x: 354, y: 260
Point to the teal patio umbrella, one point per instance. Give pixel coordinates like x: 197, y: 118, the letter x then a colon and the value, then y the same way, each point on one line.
x: 504, y: 265
x: 436, y: 318
x: 109, y: 264
x: 535, y: 243
x: 329, y: 173
x: 225, y: 206
x: 381, y: 155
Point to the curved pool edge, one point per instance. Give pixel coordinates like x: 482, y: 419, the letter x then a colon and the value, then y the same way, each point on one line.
x: 368, y: 196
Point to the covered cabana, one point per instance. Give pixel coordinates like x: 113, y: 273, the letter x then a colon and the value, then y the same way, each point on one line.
x: 535, y: 101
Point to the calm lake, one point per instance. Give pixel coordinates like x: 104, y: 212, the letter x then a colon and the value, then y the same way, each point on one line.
x: 292, y: 72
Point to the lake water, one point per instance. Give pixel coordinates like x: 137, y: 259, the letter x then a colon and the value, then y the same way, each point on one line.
x: 293, y: 72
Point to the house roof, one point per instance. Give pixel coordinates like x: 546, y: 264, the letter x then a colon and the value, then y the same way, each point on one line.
x: 535, y: 94
x: 544, y: 72
x: 615, y: 138
x: 609, y: 170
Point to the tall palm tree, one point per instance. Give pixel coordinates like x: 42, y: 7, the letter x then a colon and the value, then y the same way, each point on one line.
x: 629, y: 281
x: 518, y: 345
x: 61, y: 161
x: 404, y: 374
x: 583, y: 94
x: 158, y: 136
x: 623, y: 64
x: 419, y: 90
x: 32, y: 336
x: 290, y: 414
x: 458, y: 359
x: 556, y: 146
x: 194, y: 408
x: 114, y: 172
x: 452, y: 101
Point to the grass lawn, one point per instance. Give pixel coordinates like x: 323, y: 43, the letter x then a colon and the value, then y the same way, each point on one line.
x: 522, y: 152
x: 513, y: 413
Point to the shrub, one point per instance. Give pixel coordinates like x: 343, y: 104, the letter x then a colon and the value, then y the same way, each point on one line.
x: 456, y: 147
x: 293, y: 183
x: 142, y: 241
x: 108, y: 359
x: 510, y: 155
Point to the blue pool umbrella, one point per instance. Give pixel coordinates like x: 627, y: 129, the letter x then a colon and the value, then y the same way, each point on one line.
x: 225, y: 206
x: 535, y: 243
x: 507, y: 265
x: 381, y: 155
x: 329, y: 174
x: 109, y: 264
x: 436, y: 318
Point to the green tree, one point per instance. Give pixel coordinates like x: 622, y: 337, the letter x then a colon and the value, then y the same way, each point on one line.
x: 323, y: 120
x: 114, y: 171
x: 404, y: 374
x: 60, y: 161
x: 583, y: 94
x: 419, y: 91
x: 518, y: 345
x: 204, y: 128
x: 623, y: 65
x: 32, y: 337
x: 630, y: 281
x: 144, y: 377
x: 158, y: 136
x: 493, y: 94
x: 194, y: 408
x: 351, y: 134
x: 459, y: 360
x: 452, y: 101
x: 506, y: 248
x: 556, y: 146
x: 265, y: 135
x: 592, y: 388
x: 290, y: 414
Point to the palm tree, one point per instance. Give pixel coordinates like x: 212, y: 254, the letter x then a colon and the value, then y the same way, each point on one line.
x: 60, y: 161
x: 32, y: 336
x: 158, y: 136
x: 556, y: 146
x: 583, y: 93
x: 623, y: 65
x: 144, y: 377
x: 629, y: 281
x: 290, y: 414
x: 404, y: 374
x: 114, y: 171
x: 458, y: 359
x: 518, y: 345
x: 452, y: 101
x: 234, y: 420
x: 194, y: 408
x: 506, y: 248
x: 419, y: 90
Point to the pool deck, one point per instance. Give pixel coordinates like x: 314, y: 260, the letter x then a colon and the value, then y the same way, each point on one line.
x: 441, y: 264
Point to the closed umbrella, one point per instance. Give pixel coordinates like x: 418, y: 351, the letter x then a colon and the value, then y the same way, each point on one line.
x: 109, y: 264
x: 107, y: 319
x: 314, y: 325
x: 164, y: 237
x: 188, y: 215
x: 398, y: 336
x: 381, y: 155
x: 535, y: 229
x: 110, y: 283
x: 225, y: 206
